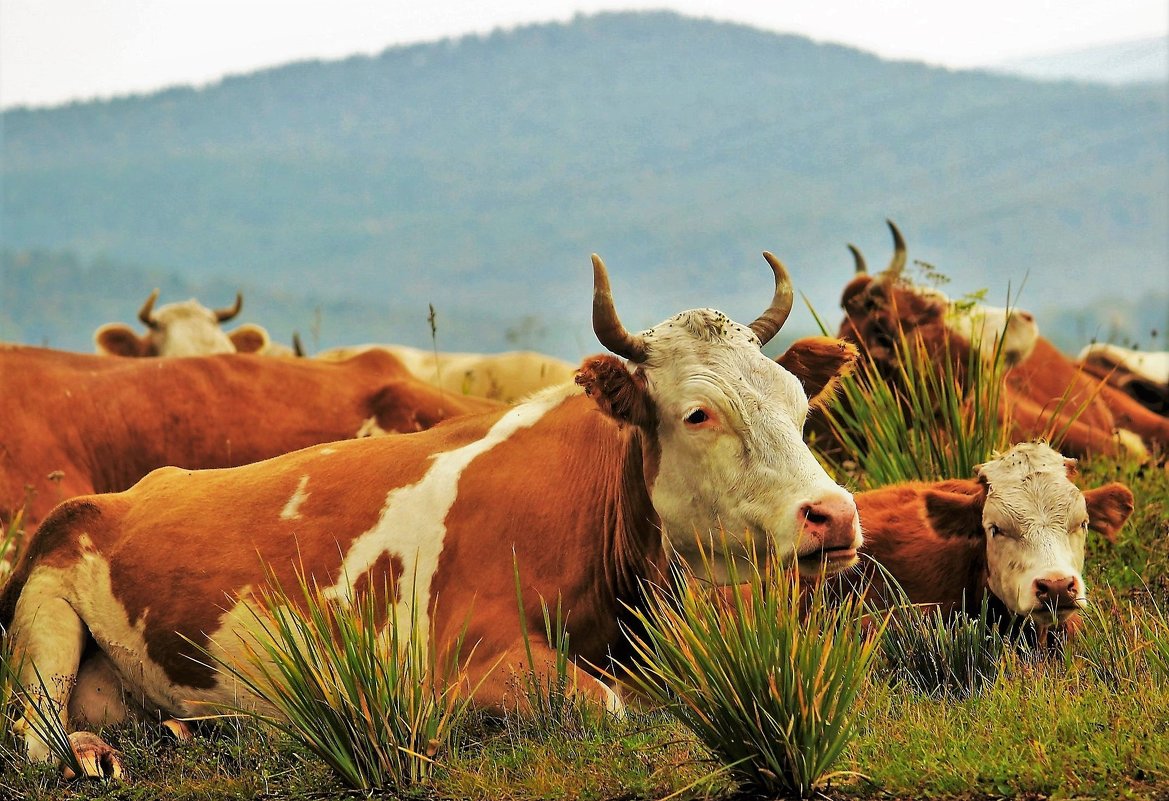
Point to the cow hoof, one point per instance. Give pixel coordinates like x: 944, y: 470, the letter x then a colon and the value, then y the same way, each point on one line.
x: 98, y: 760
x: 178, y: 729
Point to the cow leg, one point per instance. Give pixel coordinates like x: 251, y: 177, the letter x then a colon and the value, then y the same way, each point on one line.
x: 500, y: 683
x: 48, y: 639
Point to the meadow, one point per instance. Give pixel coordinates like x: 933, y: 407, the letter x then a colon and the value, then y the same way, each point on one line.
x: 985, y: 719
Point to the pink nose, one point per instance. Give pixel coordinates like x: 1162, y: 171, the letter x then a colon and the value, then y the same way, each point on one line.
x: 1059, y: 592
x: 830, y: 522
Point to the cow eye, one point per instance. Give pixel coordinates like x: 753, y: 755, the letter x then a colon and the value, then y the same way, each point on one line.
x: 696, y: 417
x: 994, y: 530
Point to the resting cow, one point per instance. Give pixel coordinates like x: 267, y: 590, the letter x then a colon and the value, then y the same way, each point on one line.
x: 1017, y: 530
x: 72, y: 424
x: 590, y: 490
x: 1045, y: 395
x: 182, y: 329
x: 506, y: 377
x: 1142, y: 375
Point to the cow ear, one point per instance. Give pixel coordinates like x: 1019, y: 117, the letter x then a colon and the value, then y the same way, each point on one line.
x: 119, y: 339
x: 819, y: 363
x: 1109, y: 507
x: 249, y: 338
x: 620, y: 393
x: 956, y: 514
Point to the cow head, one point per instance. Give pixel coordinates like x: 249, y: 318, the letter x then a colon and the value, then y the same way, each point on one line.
x: 1034, y: 521
x: 725, y: 424
x: 878, y: 308
x: 181, y: 329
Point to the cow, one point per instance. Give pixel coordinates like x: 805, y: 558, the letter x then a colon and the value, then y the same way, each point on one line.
x: 1044, y: 393
x: 181, y: 329
x: 73, y: 424
x: 501, y: 376
x: 1017, y: 529
x: 591, y: 488
x: 1142, y: 375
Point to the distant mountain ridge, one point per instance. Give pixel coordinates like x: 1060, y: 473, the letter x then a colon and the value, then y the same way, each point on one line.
x: 1134, y: 61
x: 479, y: 174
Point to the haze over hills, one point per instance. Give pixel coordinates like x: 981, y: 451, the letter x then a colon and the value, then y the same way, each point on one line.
x: 479, y: 174
x: 1134, y: 61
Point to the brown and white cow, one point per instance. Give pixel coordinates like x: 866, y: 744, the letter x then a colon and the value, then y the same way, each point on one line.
x: 1017, y: 529
x: 590, y: 487
x: 1045, y: 394
x: 1142, y: 375
x: 500, y: 376
x: 181, y: 329
x: 72, y: 424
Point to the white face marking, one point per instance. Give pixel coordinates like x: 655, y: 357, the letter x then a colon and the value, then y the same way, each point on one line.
x: 188, y: 329
x: 291, y: 510
x: 1036, y: 522
x: 743, y: 466
x: 985, y: 326
x: 412, y: 524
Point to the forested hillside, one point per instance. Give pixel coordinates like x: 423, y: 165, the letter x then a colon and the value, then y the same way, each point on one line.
x: 479, y: 174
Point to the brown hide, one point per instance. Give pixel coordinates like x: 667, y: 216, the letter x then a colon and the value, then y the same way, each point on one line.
x: 585, y: 529
x: 1045, y: 396
x: 72, y: 424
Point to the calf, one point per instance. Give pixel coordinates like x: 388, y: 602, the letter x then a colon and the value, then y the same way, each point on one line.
x: 1017, y: 530
x: 1142, y: 375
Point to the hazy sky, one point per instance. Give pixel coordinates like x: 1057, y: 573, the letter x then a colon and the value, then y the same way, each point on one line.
x: 52, y: 51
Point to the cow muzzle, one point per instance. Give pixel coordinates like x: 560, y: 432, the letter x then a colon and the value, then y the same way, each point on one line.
x: 1058, y: 597
x: 829, y: 535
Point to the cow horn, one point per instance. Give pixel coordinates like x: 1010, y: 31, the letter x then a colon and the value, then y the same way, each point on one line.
x: 223, y: 315
x: 768, y: 323
x: 606, y: 324
x: 859, y: 260
x: 146, y: 313
x: 897, y: 263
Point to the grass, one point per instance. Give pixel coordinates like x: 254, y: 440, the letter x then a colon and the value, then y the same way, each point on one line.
x: 921, y: 424
x: 341, y: 677
x: 767, y: 680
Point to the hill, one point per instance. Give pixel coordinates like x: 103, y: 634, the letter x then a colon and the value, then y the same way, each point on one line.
x: 478, y: 174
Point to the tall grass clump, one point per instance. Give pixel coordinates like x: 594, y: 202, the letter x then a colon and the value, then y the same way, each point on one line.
x: 551, y: 704
x: 942, y: 655
x: 765, y: 677
x: 341, y: 677
x: 931, y: 421
x: 11, y: 539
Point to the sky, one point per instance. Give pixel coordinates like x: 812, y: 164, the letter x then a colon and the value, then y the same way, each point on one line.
x: 55, y: 51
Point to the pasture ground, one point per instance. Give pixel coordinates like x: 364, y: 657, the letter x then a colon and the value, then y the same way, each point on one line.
x: 1054, y: 728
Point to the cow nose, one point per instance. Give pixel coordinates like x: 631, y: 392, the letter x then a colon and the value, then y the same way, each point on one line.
x: 830, y: 522
x: 1057, y: 591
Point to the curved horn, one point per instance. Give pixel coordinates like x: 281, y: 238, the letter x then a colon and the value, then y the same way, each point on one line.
x: 146, y: 313
x: 606, y: 325
x: 897, y: 263
x: 223, y: 315
x: 768, y: 323
x: 858, y: 260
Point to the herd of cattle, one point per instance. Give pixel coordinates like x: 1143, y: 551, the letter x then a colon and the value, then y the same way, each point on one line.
x: 158, y: 493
